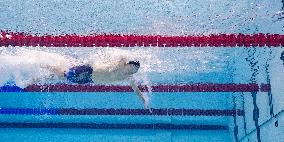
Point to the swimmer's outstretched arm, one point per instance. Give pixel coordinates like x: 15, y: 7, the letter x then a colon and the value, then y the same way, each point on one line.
x: 137, y: 91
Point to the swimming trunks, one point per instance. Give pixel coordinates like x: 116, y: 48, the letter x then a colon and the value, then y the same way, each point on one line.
x: 80, y: 74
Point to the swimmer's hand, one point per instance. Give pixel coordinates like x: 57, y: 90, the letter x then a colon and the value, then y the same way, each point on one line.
x: 144, y: 97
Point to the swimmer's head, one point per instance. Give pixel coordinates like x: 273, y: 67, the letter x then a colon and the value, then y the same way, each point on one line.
x: 132, y: 67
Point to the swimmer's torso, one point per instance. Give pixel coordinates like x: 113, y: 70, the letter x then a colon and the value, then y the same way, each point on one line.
x: 114, y: 70
x: 110, y: 71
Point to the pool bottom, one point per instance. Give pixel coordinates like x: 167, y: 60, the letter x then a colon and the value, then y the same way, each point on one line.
x: 90, y: 135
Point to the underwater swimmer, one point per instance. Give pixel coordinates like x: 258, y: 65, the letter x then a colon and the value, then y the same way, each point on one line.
x: 102, y: 73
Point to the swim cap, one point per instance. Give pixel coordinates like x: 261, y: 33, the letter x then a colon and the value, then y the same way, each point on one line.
x: 135, y: 63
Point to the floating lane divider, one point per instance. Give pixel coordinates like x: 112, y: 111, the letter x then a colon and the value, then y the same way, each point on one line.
x: 29, y: 111
x: 119, y: 40
x: 121, y: 111
x: 155, y: 88
x: 156, y: 126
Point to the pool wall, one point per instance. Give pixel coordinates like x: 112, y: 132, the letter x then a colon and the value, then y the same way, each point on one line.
x: 256, y: 64
x: 265, y: 67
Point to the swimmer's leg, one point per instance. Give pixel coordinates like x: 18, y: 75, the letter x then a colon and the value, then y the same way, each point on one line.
x: 137, y: 91
x: 58, y: 71
x: 36, y: 80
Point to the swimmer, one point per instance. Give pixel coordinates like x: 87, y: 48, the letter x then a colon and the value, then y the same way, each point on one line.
x: 103, y: 73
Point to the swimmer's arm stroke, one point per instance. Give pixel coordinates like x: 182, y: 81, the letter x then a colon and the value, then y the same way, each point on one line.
x: 139, y: 93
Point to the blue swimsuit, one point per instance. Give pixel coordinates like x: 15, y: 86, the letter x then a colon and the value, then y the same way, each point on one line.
x: 80, y: 74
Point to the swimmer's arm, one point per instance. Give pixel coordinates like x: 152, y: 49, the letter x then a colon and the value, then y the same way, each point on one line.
x: 139, y: 93
x: 136, y: 89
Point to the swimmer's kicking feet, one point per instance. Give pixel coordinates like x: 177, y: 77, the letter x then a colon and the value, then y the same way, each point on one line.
x: 109, y: 72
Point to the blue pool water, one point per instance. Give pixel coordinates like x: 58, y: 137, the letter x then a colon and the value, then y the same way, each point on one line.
x: 158, y: 66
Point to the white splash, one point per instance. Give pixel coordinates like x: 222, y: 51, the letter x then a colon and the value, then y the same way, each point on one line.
x: 21, y: 65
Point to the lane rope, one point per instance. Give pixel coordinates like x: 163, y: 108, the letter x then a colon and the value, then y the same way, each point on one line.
x: 119, y: 40
x: 122, y: 111
x: 207, y: 87
x: 155, y: 126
